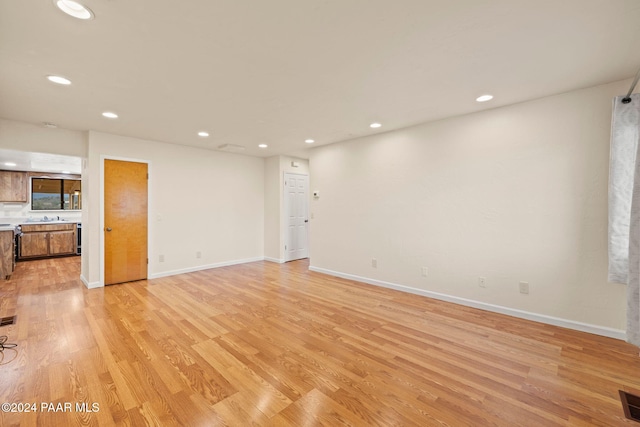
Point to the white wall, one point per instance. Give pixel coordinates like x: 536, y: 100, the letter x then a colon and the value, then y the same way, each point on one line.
x: 28, y: 137
x: 272, y: 195
x: 16, y: 213
x: 511, y: 194
x: 275, y: 226
x: 199, y: 200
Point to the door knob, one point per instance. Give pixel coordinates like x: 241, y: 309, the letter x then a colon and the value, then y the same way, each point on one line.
x: 108, y: 228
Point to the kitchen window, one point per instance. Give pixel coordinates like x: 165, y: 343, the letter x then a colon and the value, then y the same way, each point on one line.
x: 52, y: 194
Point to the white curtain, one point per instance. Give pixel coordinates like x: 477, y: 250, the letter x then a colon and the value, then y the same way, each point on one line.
x: 624, y: 208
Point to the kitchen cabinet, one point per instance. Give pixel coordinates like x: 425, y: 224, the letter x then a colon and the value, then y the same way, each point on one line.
x: 34, y: 245
x: 62, y: 242
x: 13, y: 186
x: 43, y: 240
x: 7, y: 253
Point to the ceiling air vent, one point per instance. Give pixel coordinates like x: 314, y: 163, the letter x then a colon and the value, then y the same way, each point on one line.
x: 232, y: 148
x: 630, y: 405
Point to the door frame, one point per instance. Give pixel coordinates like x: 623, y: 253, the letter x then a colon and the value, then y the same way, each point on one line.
x: 104, y: 157
x: 284, y: 236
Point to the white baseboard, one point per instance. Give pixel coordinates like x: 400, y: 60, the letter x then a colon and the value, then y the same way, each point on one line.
x: 276, y: 260
x: 204, y: 267
x: 90, y: 285
x: 542, y: 318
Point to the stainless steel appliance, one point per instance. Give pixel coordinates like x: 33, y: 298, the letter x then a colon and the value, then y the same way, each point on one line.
x: 79, y: 233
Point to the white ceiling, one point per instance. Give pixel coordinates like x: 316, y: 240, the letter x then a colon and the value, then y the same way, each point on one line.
x: 281, y: 71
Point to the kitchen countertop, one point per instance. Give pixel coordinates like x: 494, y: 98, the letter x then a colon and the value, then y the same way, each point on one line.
x: 9, y: 224
x: 48, y: 222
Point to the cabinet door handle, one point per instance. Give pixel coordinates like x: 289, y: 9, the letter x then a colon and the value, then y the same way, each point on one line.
x: 108, y: 229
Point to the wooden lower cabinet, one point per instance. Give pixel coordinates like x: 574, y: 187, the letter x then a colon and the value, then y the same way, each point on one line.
x: 47, y: 240
x: 7, y: 253
x: 34, y: 244
x: 62, y: 242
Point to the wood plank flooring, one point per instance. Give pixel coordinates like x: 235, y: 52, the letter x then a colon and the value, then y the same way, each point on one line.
x: 264, y: 344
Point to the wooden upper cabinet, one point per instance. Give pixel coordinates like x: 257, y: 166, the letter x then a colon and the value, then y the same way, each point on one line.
x: 13, y: 186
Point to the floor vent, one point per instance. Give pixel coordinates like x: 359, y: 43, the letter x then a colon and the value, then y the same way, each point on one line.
x: 6, y: 321
x: 630, y: 405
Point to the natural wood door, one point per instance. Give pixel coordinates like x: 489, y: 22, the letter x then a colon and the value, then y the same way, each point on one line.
x: 125, y: 221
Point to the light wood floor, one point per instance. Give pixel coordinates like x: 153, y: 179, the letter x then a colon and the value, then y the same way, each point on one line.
x: 268, y: 344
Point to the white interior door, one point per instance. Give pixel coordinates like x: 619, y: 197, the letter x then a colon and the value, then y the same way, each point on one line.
x: 296, y: 208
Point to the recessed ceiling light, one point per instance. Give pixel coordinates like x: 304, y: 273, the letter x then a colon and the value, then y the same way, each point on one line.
x: 75, y: 9
x: 65, y: 172
x: 59, y: 80
x: 10, y: 164
x: 263, y: 145
x: 203, y: 134
x: 484, y: 98
x: 309, y: 141
x: 375, y: 125
x: 110, y: 115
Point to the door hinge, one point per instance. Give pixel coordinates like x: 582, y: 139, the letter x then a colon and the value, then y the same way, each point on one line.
x: 285, y: 247
x: 147, y: 261
x: 147, y: 176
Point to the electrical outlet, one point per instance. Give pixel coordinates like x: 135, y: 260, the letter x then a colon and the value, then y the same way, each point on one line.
x: 374, y: 263
x: 425, y: 271
x: 482, y: 282
x: 198, y: 254
x: 161, y: 258
x: 524, y: 287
